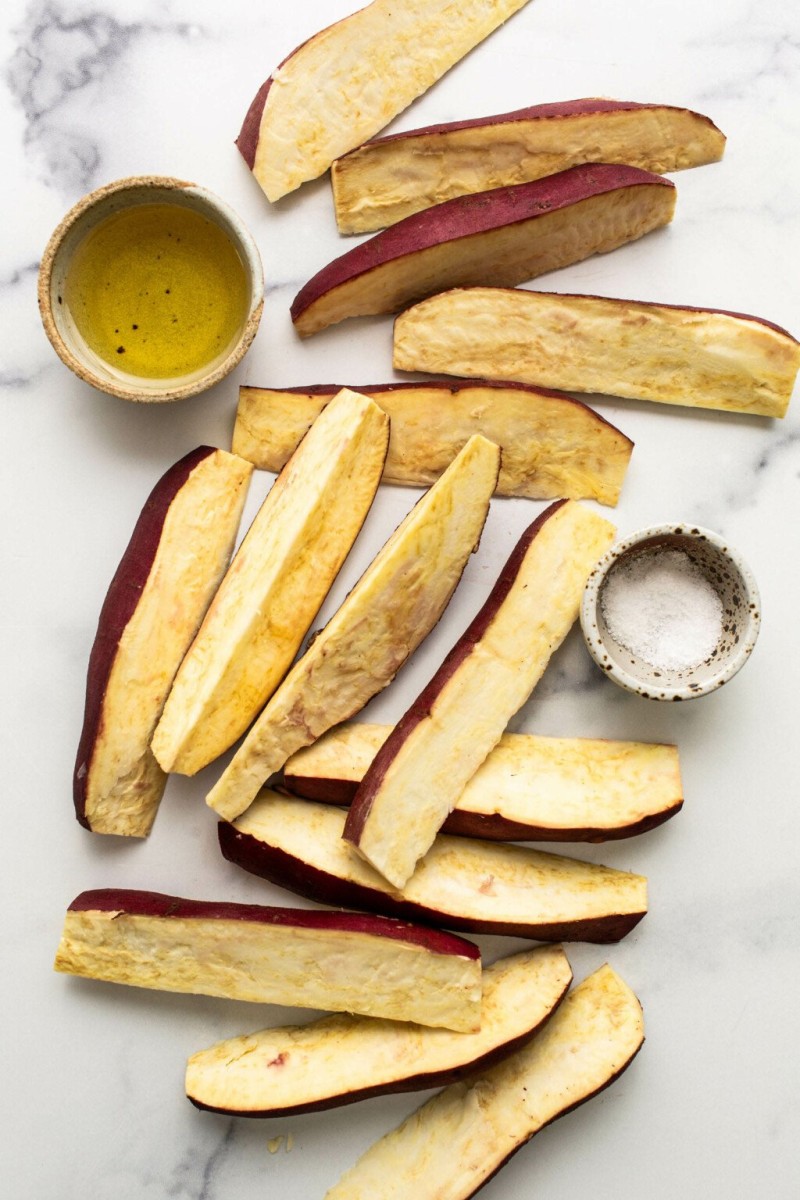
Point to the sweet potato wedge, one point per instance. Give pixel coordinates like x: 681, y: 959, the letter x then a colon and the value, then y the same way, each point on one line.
x: 389, y: 178
x: 551, y: 445
x: 165, y: 581
x: 500, y: 237
x: 392, y: 608
x: 348, y: 81
x: 700, y: 357
x: 346, y: 961
x: 338, y: 1060
x: 449, y: 1148
x: 461, y: 883
x: 423, y: 767
x: 529, y: 788
x: 275, y: 585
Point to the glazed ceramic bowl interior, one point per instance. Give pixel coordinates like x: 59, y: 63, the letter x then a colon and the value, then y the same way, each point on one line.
x: 59, y: 322
x: 727, y: 573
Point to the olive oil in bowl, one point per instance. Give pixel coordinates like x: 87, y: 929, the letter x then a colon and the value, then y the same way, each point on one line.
x: 151, y: 289
x: 158, y: 291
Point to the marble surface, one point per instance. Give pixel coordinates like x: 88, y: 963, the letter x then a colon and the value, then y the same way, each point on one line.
x: 92, y: 1100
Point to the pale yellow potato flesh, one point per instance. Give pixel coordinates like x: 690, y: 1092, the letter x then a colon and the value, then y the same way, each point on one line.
x: 384, y: 181
x: 550, y: 447
x: 275, y: 585
x: 274, y: 964
x: 502, y: 257
x: 558, y: 784
x: 125, y: 783
x: 470, y: 711
x: 348, y: 81
x: 388, y: 613
x: 450, y: 1146
x: 489, y: 883
x: 694, y: 357
x: 306, y: 1065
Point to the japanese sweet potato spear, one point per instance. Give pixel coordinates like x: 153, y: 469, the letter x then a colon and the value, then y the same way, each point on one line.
x: 529, y: 788
x: 499, y: 237
x: 392, y: 177
x: 423, y: 767
x: 461, y: 883
x: 348, y: 81
x: 392, y: 608
x: 166, y: 579
x: 275, y: 585
x: 700, y: 357
x: 450, y: 1147
x: 338, y: 1060
x: 346, y: 961
x: 551, y: 445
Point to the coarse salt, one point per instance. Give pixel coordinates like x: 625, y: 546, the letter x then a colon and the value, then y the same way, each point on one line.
x: 662, y: 608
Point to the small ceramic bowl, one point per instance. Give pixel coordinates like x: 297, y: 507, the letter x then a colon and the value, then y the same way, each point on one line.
x: 59, y: 321
x: 703, y: 556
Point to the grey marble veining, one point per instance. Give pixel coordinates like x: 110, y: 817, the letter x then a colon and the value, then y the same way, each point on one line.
x: 93, y: 1101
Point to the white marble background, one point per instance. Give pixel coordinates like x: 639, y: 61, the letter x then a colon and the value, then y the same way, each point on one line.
x: 92, y: 1101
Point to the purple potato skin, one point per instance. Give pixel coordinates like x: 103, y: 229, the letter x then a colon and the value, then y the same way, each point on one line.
x: 471, y: 215
x: 119, y: 606
x: 132, y: 902
x: 247, y: 141
x: 296, y: 876
x: 362, y: 801
x: 491, y: 827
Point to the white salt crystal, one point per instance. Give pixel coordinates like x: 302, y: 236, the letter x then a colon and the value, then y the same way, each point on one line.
x: 662, y: 608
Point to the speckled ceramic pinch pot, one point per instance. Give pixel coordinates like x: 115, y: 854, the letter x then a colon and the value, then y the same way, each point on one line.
x: 730, y: 577
x: 60, y: 326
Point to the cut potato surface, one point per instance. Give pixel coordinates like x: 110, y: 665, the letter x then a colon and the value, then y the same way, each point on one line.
x: 338, y: 1060
x: 500, y: 237
x: 348, y: 81
x: 698, y: 357
x: 165, y: 581
x: 529, y: 788
x: 551, y: 445
x: 390, y: 178
x: 392, y: 608
x: 346, y: 961
x: 275, y: 585
x: 461, y: 883
x: 438, y: 745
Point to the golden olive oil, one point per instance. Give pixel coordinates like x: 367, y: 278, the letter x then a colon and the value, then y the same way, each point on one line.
x: 158, y: 291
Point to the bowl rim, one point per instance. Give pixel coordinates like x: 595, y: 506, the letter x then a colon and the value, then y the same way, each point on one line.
x: 627, y: 679
x: 218, y: 210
